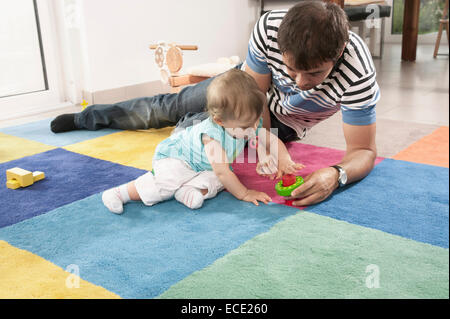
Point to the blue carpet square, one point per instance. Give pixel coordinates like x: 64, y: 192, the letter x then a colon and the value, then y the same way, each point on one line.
x: 398, y: 197
x: 69, y: 177
x: 144, y: 251
x: 40, y: 132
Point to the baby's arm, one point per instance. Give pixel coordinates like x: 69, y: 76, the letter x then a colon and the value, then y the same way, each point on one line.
x: 273, y: 156
x: 220, y: 165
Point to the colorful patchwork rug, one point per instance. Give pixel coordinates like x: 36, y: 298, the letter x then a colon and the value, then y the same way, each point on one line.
x: 383, y: 237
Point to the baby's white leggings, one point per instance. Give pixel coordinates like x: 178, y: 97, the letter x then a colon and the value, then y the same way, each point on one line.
x: 172, y: 175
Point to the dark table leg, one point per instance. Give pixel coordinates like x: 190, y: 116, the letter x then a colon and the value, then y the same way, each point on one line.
x: 410, y: 29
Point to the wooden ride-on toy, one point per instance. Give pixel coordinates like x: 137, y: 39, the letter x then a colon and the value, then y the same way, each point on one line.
x: 169, y: 59
x: 17, y: 177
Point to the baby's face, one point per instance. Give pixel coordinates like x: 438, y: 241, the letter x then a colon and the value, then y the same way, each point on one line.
x: 241, y: 129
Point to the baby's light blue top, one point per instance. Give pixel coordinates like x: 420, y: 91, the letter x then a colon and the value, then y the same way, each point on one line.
x: 187, y: 145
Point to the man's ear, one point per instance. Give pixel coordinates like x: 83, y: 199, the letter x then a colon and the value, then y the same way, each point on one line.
x: 342, y: 51
x: 340, y: 55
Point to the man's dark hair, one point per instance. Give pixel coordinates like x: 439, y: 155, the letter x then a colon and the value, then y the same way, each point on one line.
x: 313, y: 32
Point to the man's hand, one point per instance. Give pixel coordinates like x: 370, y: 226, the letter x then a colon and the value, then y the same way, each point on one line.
x: 316, y: 188
x: 358, y: 161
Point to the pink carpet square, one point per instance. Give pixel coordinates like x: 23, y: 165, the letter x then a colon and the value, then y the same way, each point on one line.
x: 313, y: 157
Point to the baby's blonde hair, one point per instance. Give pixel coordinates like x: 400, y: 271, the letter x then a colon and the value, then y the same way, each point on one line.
x: 235, y: 95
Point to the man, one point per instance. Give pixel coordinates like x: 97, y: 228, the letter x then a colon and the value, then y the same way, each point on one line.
x: 310, y: 66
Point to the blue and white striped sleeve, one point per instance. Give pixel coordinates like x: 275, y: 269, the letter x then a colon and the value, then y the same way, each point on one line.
x: 257, y: 48
x: 358, y: 102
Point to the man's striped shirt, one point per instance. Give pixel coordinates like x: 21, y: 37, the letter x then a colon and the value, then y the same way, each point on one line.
x: 351, y: 85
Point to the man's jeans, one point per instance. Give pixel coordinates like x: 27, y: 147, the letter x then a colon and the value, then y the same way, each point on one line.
x: 182, y: 109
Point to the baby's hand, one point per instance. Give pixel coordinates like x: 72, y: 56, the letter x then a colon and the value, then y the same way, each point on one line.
x: 267, y: 166
x: 255, y: 196
x: 287, y: 166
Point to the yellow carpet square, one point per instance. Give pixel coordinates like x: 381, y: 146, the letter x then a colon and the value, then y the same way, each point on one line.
x: 13, y: 147
x: 24, y: 275
x: 131, y: 148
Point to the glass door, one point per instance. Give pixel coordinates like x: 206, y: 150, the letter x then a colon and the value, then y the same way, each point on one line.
x: 430, y: 13
x: 29, y: 67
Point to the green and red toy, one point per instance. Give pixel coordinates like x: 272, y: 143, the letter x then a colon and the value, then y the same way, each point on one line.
x: 287, y: 184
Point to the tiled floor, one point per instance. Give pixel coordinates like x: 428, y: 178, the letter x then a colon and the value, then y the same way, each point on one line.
x: 414, y: 91
x: 414, y: 102
x: 410, y: 91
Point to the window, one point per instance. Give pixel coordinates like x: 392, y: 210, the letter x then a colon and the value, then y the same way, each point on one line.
x: 430, y: 13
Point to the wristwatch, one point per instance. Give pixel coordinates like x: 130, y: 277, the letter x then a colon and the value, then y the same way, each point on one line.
x: 342, y: 175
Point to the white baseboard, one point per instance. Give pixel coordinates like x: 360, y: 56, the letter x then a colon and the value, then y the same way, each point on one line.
x: 125, y: 93
x: 98, y: 97
x: 33, y: 111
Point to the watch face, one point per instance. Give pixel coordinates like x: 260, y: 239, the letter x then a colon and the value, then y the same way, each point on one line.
x: 342, y: 175
x: 343, y: 178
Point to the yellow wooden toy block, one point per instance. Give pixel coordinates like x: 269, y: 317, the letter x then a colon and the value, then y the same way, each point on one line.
x: 12, y: 183
x: 24, y: 177
x: 37, y: 176
x: 17, y: 177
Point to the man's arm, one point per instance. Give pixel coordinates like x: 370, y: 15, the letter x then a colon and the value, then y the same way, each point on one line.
x: 361, y: 151
x: 358, y: 161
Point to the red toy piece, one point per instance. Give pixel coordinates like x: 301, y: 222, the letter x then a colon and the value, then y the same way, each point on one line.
x: 288, y: 202
x: 288, y: 180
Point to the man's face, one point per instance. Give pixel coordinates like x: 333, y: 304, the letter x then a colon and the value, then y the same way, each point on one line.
x: 307, y: 79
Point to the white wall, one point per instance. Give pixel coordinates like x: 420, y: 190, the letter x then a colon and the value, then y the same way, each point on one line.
x: 115, y: 35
